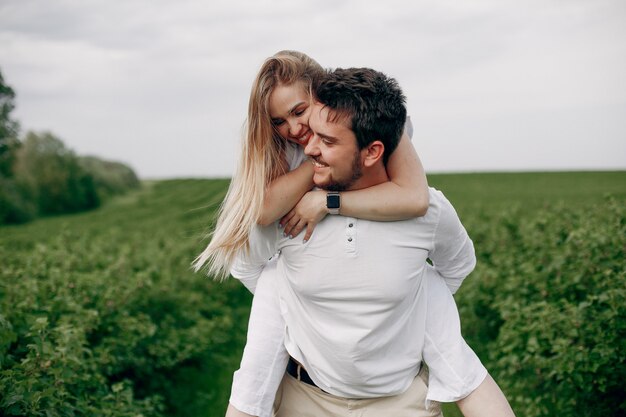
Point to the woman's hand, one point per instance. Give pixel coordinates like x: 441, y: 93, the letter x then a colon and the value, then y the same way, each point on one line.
x: 309, y: 211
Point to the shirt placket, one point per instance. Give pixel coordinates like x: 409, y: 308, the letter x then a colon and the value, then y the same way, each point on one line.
x: 351, y: 235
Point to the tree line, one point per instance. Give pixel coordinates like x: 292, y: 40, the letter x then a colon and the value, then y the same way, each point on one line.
x: 40, y: 176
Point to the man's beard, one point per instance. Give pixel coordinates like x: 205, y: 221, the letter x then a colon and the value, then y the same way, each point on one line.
x: 343, y: 185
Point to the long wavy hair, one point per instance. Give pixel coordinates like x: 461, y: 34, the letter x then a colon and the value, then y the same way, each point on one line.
x: 261, y: 161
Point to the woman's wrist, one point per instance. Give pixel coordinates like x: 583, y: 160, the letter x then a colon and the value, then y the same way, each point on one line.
x: 308, y: 167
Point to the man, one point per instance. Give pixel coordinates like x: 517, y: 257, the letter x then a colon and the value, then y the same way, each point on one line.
x: 354, y: 298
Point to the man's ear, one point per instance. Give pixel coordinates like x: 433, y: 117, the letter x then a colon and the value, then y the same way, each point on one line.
x: 373, y: 153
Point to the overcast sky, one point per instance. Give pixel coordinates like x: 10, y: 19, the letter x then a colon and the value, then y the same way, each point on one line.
x: 163, y: 85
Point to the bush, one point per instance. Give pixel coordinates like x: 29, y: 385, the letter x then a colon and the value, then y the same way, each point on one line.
x: 14, y: 207
x: 110, y: 178
x: 9, y: 128
x: 53, y: 176
x: 47, y: 178
x: 547, y: 308
x: 96, y: 320
x: 100, y: 314
x: 42, y: 176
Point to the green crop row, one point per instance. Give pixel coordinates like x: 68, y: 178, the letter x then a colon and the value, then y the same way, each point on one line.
x: 100, y: 313
x: 545, y: 307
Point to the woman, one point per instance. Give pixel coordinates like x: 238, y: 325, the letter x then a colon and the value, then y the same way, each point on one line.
x: 277, y: 129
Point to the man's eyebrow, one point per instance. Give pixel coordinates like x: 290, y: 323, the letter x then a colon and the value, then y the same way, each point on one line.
x: 327, y: 137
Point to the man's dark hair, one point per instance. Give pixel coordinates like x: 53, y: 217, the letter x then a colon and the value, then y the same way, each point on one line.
x: 371, y: 100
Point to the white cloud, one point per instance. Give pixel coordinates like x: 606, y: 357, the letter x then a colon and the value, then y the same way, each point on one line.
x: 164, y: 85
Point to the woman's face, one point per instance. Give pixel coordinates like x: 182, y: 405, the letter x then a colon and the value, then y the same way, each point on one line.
x: 289, y: 109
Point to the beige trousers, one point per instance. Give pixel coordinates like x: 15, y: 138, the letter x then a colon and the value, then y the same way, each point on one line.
x: 297, y: 399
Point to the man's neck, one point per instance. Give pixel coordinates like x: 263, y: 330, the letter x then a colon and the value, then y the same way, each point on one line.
x: 371, y: 177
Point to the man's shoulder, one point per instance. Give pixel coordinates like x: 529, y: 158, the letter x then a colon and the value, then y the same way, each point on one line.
x: 437, y: 201
x: 437, y: 196
x: 439, y: 208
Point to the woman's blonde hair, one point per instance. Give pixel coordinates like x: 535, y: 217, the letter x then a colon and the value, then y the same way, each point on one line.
x: 261, y: 161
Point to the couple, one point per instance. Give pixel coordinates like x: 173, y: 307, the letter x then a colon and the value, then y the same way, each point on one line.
x: 356, y: 307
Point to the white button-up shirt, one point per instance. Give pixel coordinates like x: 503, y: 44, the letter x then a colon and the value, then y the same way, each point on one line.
x: 352, y: 297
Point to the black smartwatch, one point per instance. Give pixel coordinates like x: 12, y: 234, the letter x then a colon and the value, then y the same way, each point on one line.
x: 333, y: 202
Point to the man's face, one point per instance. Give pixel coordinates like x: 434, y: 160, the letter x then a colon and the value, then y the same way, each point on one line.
x: 333, y: 149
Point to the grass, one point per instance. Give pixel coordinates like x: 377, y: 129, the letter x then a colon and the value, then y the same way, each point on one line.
x: 165, y: 223
x: 473, y: 194
x: 532, y: 189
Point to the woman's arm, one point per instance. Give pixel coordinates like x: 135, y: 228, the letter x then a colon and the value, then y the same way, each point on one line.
x: 403, y: 197
x: 285, y: 191
x: 232, y: 411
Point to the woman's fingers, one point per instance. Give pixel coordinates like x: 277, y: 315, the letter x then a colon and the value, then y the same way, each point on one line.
x: 294, y: 226
x: 309, y: 231
x: 286, y: 218
x: 297, y: 228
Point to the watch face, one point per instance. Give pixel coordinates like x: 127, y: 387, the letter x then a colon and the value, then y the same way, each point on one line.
x: 332, y: 201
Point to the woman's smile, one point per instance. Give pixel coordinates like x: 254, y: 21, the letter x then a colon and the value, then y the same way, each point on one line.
x: 302, y: 140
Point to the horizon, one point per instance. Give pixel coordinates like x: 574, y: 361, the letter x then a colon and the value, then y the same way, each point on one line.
x: 572, y: 171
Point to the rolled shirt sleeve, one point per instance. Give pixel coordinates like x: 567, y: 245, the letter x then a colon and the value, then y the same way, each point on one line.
x: 249, y: 264
x: 453, y: 253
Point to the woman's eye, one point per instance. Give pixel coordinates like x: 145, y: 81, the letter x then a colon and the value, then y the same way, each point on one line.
x: 277, y: 122
x: 300, y: 112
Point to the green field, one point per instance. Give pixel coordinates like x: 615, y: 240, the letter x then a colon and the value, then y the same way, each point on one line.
x: 100, y: 311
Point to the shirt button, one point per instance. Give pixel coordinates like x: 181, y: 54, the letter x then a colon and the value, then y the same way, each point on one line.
x: 350, y: 225
x: 349, y: 239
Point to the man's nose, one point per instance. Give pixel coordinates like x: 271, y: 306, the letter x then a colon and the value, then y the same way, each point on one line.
x: 312, y: 148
